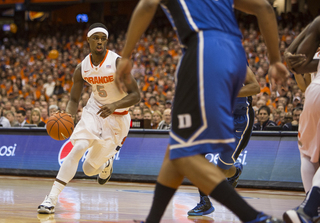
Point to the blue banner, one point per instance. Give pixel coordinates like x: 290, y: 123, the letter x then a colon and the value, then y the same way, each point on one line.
x: 266, y: 158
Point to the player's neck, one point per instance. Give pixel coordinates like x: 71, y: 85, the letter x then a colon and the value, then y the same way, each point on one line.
x: 97, y: 59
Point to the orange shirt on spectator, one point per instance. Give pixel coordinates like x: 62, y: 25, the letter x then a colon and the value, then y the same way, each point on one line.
x: 44, y: 120
x: 265, y: 89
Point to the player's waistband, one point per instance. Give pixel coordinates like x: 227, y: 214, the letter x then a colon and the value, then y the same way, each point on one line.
x: 213, y: 34
x: 120, y: 113
x: 221, y: 35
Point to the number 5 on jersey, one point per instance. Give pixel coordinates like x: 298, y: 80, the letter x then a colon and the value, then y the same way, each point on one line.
x: 102, y: 92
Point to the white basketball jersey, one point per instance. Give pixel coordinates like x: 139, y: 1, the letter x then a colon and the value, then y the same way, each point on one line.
x: 315, y: 77
x: 101, y: 78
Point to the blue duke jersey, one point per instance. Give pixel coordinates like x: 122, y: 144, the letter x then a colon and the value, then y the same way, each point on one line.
x: 188, y: 16
x: 209, y: 76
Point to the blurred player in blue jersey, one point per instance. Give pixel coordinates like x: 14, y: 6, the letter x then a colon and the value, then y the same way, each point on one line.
x: 243, y: 114
x: 208, y: 79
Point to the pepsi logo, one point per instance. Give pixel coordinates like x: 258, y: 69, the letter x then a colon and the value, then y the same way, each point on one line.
x: 64, y: 151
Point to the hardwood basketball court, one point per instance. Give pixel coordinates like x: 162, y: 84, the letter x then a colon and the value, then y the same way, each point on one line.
x: 83, y: 200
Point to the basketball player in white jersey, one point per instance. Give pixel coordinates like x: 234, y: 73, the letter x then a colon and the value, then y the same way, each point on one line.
x: 300, y: 57
x: 105, y: 121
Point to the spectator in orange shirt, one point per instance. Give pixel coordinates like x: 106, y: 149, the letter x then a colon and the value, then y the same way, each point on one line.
x: 151, y: 101
x: 263, y: 86
x: 44, y: 115
x: 151, y: 83
x: 276, y: 116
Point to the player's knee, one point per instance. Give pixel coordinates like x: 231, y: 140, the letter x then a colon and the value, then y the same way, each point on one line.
x: 88, y: 169
x: 81, y: 144
x: 228, y: 172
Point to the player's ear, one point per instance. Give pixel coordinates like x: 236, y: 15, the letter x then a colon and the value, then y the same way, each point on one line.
x: 88, y: 39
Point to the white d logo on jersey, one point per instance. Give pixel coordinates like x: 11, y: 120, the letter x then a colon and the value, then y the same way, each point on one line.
x: 184, y: 121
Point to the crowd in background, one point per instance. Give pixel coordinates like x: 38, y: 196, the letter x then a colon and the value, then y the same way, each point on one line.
x: 36, y: 73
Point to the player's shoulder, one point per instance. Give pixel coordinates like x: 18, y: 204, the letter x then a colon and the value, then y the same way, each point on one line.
x: 315, y: 25
x: 317, y: 19
x: 78, y: 67
x: 112, y: 53
x: 87, y: 58
x: 77, y: 70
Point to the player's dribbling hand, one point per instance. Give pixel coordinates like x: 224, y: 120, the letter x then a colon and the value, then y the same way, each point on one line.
x: 123, y: 73
x: 279, y: 74
x: 106, y: 110
x: 62, y: 112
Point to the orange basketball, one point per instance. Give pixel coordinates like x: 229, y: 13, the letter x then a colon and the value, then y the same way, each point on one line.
x: 60, y: 126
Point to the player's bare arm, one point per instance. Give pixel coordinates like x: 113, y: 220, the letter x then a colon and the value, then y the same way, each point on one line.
x: 251, y: 85
x: 296, y: 60
x: 303, y: 80
x: 75, y: 93
x: 307, y: 44
x: 132, y: 98
x: 140, y: 20
x: 269, y: 29
x: 292, y: 58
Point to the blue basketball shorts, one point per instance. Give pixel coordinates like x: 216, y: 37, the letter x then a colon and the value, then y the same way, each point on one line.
x: 242, y: 131
x: 208, y: 79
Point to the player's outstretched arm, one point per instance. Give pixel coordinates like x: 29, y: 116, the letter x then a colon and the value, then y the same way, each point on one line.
x: 267, y: 23
x: 140, y: 20
x: 75, y: 93
x: 251, y: 85
x: 269, y: 29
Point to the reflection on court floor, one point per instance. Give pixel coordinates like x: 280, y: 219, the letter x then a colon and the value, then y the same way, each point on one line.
x: 86, y: 201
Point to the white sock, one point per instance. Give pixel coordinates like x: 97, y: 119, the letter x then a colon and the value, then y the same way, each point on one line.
x: 55, y: 191
x: 308, y: 170
x: 316, y: 179
x: 69, y: 168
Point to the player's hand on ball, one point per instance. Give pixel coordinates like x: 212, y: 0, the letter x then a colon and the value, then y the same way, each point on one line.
x: 63, y: 112
x: 106, y: 110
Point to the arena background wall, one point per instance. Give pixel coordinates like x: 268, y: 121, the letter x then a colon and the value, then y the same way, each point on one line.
x: 271, y: 159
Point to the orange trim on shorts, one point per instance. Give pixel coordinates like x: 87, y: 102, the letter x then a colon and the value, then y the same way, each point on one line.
x: 120, y: 113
